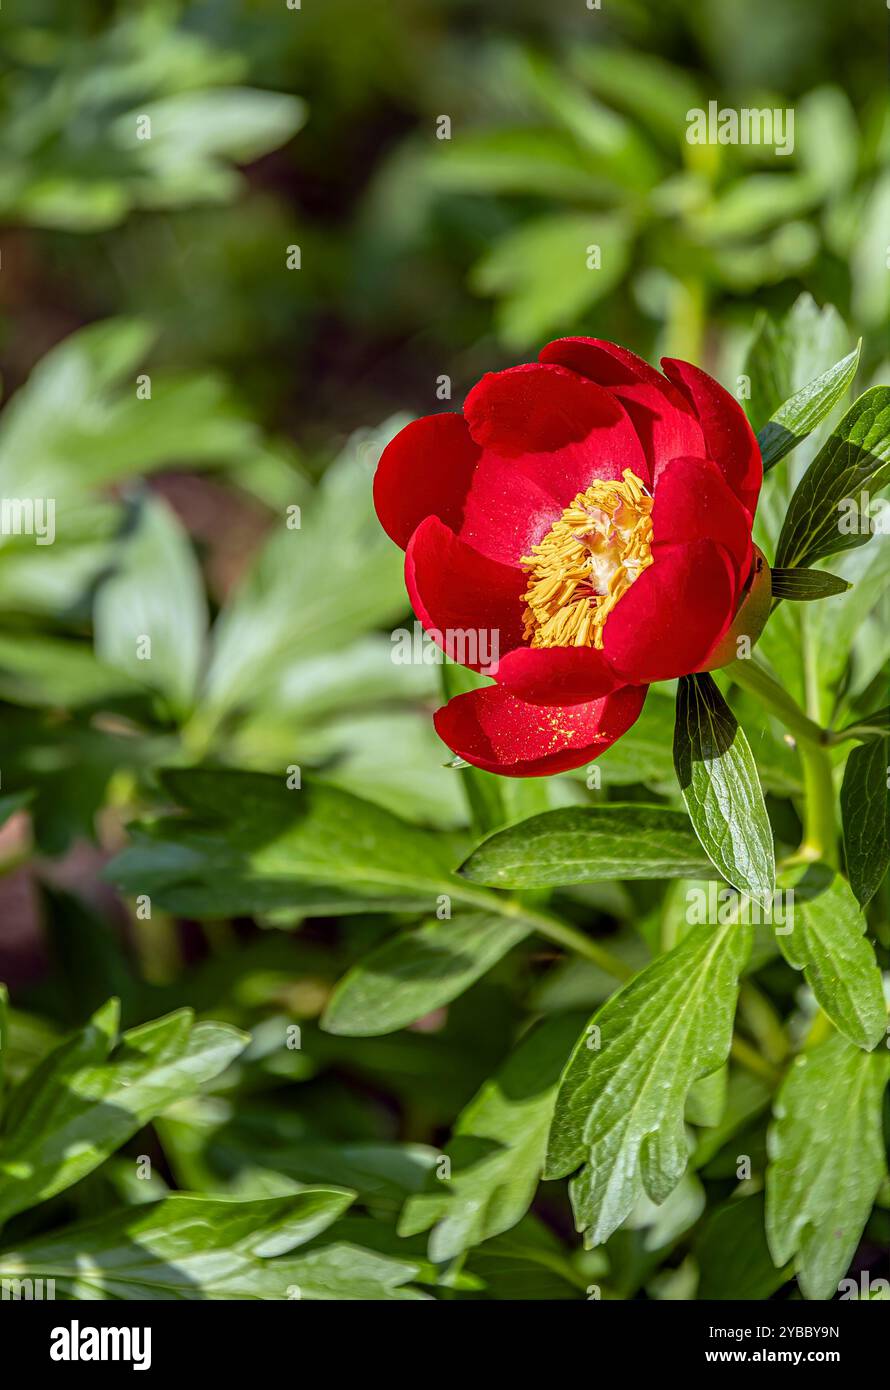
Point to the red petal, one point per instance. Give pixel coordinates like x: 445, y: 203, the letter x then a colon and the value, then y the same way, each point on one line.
x: 425, y: 471
x: 693, y: 502
x: 499, y: 733
x: 668, y: 621
x: 471, y: 605
x: 729, y: 440
x: 558, y: 428
x: 665, y: 429
x: 600, y: 361
x: 661, y: 415
x: 556, y: 675
x: 506, y: 512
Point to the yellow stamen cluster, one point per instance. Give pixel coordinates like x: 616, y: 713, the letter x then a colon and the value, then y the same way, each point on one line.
x: 587, y: 561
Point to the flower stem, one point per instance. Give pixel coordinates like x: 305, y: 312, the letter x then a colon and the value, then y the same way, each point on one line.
x: 820, y: 830
x: 748, y: 1057
x: 753, y: 678
x: 562, y: 934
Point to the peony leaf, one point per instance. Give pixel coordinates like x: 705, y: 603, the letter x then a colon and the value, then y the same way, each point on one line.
x: 733, y: 1256
x: 194, y: 1247
x: 620, y: 1107
x: 868, y: 726
x: 719, y: 781
x: 92, y: 1093
x: 865, y: 811
x: 497, y: 1148
x: 250, y: 844
x: 825, y: 515
x: 588, y: 845
x: 803, y: 411
x: 418, y: 971
x: 827, y: 942
x: 803, y: 586
x: 155, y: 592
x: 827, y: 1160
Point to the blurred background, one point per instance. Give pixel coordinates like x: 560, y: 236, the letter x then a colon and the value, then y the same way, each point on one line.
x: 216, y: 318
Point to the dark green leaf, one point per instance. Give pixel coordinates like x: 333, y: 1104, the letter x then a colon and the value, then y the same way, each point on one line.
x: 827, y: 1160
x: 719, y: 782
x: 620, y: 1107
x: 586, y: 845
x: 497, y: 1148
x: 825, y: 515
x: 802, y: 586
x: 190, y: 1247
x: 89, y: 1095
x: 250, y: 844
x: 733, y: 1256
x: 803, y: 411
x: 827, y: 942
x: 418, y: 971
x: 865, y: 811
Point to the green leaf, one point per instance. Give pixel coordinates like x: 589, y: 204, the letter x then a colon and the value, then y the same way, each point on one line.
x: 526, y: 1263
x: 50, y: 671
x: 733, y: 1256
x: 784, y: 356
x: 803, y: 411
x: 251, y: 1143
x: 827, y: 942
x: 418, y: 971
x: 497, y: 1148
x: 865, y: 812
x: 543, y: 276
x: 803, y: 586
x: 824, y: 515
x: 250, y: 844
x: 281, y: 607
x: 869, y: 726
x: 77, y: 423
x: 150, y: 615
x: 587, y: 845
x: 620, y: 1106
x: 89, y: 1096
x: 706, y: 1101
x: 721, y: 788
x: 827, y: 1160
x: 191, y: 1247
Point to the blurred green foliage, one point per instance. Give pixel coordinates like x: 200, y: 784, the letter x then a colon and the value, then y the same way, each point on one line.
x: 208, y: 419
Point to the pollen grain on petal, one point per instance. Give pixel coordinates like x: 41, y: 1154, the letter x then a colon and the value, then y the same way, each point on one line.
x: 586, y: 563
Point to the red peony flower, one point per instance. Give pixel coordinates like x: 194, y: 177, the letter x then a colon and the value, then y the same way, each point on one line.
x: 591, y: 517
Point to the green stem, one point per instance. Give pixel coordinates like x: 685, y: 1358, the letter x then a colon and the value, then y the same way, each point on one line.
x: 753, y: 678
x: 820, y: 831
x: 820, y: 827
x: 751, y: 1060
x: 562, y: 934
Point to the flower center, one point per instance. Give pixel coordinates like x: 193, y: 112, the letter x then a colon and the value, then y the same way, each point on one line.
x: 587, y: 561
